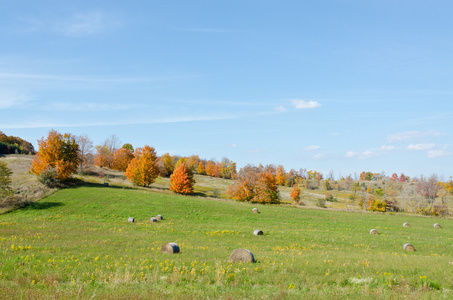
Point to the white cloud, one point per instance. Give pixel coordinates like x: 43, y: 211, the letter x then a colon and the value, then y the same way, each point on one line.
x: 281, y: 108
x: 438, y: 153
x: 76, y: 25
x: 320, y: 156
x: 410, y: 135
x: 87, y: 24
x: 12, y: 99
x: 351, y: 154
x: 420, y: 147
x: 207, y: 30
x: 361, y: 155
x: 387, y: 148
x: 70, y: 106
x: 367, y: 155
x: 312, y: 148
x: 302, y: 104
x: 233, y: 145
x: 56, y: 124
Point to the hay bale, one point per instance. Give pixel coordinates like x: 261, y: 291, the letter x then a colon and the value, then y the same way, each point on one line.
x: 243, y: 255
x: 153, y: 220
x: 159, y: 217
x: 374, y: 231
x: 437, y: 225
x: 258, y: 232
x: 131, y: 220
x: 255, y: 210
x: 406, y: 225
x: 170, y: 248
x: 408, y: 247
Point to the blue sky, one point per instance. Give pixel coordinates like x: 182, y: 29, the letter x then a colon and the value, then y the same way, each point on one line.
x: 343, y: 86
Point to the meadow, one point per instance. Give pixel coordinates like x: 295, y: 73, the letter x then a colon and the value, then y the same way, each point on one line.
x: 77, y: 243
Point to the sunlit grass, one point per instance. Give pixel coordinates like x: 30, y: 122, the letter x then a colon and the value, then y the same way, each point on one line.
x: 78, y: 243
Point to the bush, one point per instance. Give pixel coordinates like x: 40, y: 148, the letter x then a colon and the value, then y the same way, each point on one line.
x: 331, y: 198
x: 48, y: 177
x: 321, y: 203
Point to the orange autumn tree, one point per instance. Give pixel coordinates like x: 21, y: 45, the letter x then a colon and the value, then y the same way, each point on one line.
x: 121, y: 159
x: 181, y: 181
x: 254, y: 184
x: 58, y: 153
x: 143, y: 169
x: 295, y: 194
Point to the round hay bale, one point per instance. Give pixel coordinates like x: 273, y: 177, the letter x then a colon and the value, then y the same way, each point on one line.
x: 406, y: 225
x: 243, y: 255
x: 258, y: 232
x: 408, y: 247
x: 153, y: 220
x: 437, y: 225
x: 131, y: 220
x: 255, y: 210
x: 159, y: 217
x: 170, y: 248
x: 374, y: 231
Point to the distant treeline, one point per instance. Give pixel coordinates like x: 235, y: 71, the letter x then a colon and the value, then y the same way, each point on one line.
x: 14, y: 145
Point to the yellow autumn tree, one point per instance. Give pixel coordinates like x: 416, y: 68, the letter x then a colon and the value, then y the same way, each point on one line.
x: 181, y: 181
x: 200, y: 169
x: 58, y: 153
x: 280, y: 176
x: 143, y: 169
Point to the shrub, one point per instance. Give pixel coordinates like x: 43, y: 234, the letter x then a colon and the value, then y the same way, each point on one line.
x: 48, y: 177
x: 331, y: 198
x: 321, y: 202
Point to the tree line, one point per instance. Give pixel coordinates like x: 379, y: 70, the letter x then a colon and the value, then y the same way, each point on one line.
x: 61, y: 155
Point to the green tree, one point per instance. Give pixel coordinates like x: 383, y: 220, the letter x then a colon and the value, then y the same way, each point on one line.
x: 5, y: 178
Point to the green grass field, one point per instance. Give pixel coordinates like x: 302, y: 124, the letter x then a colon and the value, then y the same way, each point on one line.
x: 77, y: 243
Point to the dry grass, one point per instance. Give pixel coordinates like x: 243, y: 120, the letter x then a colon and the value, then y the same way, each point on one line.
x: 26, y: 188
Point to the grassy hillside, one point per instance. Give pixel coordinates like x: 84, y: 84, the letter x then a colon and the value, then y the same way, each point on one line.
x: 77, y: 243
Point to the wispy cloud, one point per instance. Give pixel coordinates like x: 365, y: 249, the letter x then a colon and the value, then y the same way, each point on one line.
x: 361, y: 155
x: 207, y: 30
x: 281, y: 108
x: 71, y: 106
x: 421, y: 147
x: 11, y: 99
x: 76, y: 25
x: 302, y: 104
x: 142, y: 121
x: 312, y: 148
x: 320, y: 156
x: 411, y: 135
x: 438, y: 153
x: 90, y: 79
x: 387, y: 148
x: 84, y: 24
